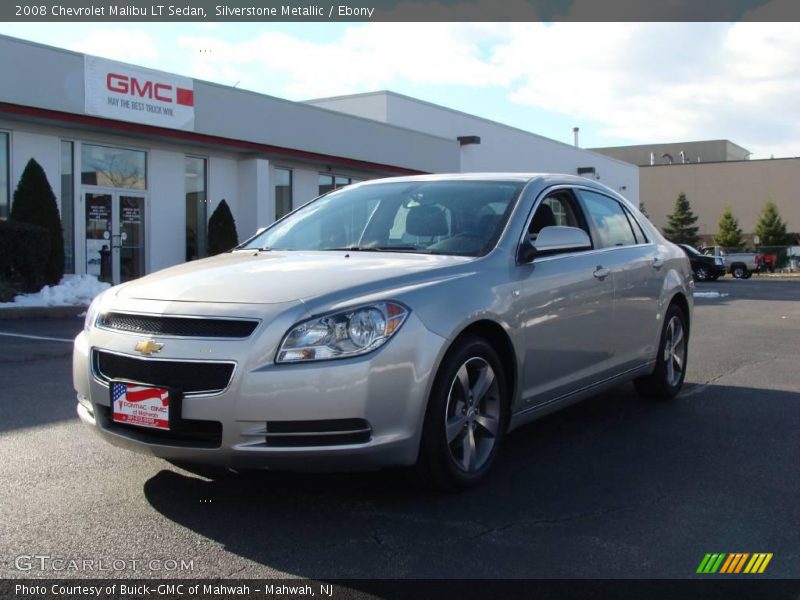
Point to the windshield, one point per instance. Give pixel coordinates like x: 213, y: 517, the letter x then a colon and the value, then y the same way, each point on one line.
x: 433, y: 217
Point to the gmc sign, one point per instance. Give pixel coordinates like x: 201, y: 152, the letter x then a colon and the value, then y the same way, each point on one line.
x: 153, y: 90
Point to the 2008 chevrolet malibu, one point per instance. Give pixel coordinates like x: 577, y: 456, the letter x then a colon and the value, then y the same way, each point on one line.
x: 404, y: 321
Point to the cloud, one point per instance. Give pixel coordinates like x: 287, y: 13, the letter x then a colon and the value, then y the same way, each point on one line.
x: 367, y: 57
x: 119, y: 44
x: 664, y: 81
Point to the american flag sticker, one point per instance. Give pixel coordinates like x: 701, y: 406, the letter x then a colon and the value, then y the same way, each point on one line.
x: 140, y: 405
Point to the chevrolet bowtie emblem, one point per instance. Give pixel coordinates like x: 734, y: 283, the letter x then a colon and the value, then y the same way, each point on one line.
x: 148, y: 347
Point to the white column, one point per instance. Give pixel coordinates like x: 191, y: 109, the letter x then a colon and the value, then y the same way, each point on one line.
x: 256, y: 198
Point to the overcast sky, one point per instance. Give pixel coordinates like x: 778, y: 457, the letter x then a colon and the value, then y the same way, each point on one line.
x: 621, y: 84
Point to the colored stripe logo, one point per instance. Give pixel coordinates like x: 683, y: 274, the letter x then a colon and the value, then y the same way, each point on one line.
x: 733, y: 563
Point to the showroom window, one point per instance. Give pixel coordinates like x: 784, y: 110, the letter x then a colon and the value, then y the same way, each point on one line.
x: 196, y: 207
x: 283, y: 192
x: 328, y: 183
x: 5, y: 191
x: 68, y: 203
x: 105, y: 166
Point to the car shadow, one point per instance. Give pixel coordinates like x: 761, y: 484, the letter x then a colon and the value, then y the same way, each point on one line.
x: 644, y: 483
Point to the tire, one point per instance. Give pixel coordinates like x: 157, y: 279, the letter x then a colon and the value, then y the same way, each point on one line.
x: 666, y: 380
x: 739, y: 271
x: 748, y: 275
x: 702, y: 274
x: 463, y: 430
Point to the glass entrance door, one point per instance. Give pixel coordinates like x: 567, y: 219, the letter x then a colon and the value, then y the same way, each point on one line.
x: 115, y: 235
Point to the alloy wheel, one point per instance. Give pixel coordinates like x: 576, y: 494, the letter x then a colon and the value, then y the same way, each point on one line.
x: 472, y: 416
x: 674, y: 351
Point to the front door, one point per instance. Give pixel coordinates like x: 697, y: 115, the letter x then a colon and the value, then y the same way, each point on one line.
x: 568, y: 301
x: 115, y: 235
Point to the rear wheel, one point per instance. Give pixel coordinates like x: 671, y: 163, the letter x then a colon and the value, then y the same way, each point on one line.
x: 667, y: 379
x: 739, y: 271
x: 466, y: 417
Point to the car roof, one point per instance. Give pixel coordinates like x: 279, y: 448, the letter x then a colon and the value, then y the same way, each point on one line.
x: 488, y: 176
x: 541, y: 179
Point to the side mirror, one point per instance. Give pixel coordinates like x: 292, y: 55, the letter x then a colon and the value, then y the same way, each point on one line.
x: 554, y: 239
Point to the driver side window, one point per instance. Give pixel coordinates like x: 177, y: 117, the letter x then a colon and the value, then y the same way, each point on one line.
x: 558, y: 209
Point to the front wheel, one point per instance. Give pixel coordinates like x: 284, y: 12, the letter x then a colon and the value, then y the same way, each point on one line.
x: 466, y: 417
x: 739, y: 271
x: 666, y: 380
x: 701, y: 274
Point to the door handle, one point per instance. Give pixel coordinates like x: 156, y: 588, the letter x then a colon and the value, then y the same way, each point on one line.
x: 658, y: 262
x: 601, y: 272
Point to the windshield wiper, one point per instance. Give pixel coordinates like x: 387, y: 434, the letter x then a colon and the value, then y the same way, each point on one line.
x: 378, y: 249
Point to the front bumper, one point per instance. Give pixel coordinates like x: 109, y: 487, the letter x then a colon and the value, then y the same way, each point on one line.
x: 387, y: 390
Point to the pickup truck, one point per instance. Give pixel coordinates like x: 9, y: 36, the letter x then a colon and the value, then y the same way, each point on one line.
x: 740, y: 264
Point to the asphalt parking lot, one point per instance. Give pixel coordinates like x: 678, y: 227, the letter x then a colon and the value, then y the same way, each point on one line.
x: 613, y: 487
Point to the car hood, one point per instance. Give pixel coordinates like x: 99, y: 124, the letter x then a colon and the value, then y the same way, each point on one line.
x: 253, y: 277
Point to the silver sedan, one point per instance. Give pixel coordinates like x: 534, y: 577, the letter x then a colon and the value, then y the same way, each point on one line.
x: 404, y: 321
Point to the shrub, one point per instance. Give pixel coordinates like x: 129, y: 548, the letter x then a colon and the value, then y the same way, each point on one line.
x: 222, y: 234
x: 24, y: 252
x: 35, y: 203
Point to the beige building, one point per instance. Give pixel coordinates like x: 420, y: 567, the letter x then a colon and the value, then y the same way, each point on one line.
x: 677, y: 152
x: 743, y: 185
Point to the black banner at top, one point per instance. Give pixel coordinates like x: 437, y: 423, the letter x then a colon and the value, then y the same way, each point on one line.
x: 399, y: 10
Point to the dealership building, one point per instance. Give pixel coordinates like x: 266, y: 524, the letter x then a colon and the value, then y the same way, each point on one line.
x: 138, y: 159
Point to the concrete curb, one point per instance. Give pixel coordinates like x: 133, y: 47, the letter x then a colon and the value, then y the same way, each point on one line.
x: 41, y: 312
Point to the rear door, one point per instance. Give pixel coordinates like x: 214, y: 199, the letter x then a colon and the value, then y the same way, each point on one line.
x: 567, y: 309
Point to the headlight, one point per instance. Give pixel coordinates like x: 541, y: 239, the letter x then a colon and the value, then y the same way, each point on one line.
x: 342, y: 334
x: 92, y: 312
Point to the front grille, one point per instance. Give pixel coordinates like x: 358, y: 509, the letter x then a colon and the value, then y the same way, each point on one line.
x: 178, y: 326
x: 188, y: 377
x: 187, y: 433
x: 328, y: 432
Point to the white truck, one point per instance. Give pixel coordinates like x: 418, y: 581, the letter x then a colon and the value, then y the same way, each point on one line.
x: 741, y: 265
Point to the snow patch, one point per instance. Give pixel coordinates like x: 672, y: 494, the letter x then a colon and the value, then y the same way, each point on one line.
x: 72, y: 290
x: 709, y: 295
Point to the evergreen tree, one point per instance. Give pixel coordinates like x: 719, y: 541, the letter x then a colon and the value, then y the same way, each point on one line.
x: 35, y: 203
x: 680, y: 223
x: 770, y: 227
x: 222, y: 234
x: 729, y: 235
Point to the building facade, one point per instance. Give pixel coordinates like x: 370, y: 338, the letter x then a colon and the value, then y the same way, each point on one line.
x: 677, y: 153
x: 138, y: 159
x: 744, y: 186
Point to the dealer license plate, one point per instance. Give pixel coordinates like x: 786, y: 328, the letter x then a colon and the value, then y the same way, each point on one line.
x: 145, y: 406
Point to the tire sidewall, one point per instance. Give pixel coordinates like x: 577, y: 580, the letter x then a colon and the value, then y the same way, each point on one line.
x: 665, y: 390
x: 434, y: 450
